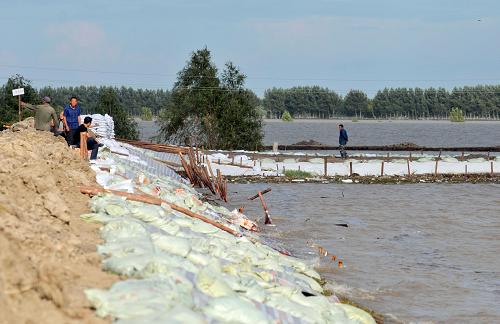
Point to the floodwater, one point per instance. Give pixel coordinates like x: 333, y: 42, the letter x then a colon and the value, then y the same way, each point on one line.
x: 418, y: 252
x: 423, y: 133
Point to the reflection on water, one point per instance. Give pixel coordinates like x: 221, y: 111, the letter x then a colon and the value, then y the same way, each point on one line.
x: 419, y: 252
x: 423, y: 133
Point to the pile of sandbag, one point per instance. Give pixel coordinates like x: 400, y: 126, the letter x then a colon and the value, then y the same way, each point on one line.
x: 183, y: 270
x: 102, y: 126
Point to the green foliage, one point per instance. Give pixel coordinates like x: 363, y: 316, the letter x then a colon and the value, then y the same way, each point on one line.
x: 9, y: 107
x: 212, y: 111
x: 355, y: 119
x: 457, y: 115
x: 108, y: 103
x: 286, y: 117
x: 132, y: 100
x: 302, y: 102
x: 414, y: 103
x: 297, y: 174
x: 146, y: 114
x: 355, y: 103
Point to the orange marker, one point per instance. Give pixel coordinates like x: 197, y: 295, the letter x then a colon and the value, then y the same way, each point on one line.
x: 334, y: 258
x: 341, y: 264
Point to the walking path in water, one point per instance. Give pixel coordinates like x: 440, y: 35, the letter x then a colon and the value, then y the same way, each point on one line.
x: 421, y: 252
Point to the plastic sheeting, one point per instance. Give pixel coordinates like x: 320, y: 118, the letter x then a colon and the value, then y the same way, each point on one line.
x: 184, y: 270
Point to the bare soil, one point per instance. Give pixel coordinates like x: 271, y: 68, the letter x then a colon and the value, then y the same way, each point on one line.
x: 47, y: 253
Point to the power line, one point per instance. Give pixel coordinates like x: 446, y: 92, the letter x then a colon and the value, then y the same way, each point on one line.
x: 248, y: 77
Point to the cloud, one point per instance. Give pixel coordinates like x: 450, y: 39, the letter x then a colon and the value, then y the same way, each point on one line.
x: 81, y: 42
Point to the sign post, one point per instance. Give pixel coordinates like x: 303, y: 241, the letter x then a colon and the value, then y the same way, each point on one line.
x: 18, y: 92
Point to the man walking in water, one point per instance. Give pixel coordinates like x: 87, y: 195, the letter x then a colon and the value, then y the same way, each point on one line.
x: 342, y: 141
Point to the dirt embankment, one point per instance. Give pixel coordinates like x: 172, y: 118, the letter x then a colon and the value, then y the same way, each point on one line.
x: 47, y: 254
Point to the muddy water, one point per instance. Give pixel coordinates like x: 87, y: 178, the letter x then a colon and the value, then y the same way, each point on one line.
x: 423, y: 133
x: 421, y: 252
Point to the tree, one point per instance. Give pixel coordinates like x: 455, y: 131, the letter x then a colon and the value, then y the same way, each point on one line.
x: 211, y: 111
x: 286, y: 117
x: 146, y: 114
x: 125, y: 126
x: 239, y: 121
x: 9, y: 106
x: 355, y: 103
x: 457, y: 115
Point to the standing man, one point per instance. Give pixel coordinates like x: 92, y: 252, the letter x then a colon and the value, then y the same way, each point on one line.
x: 342, y: 141
x: 45, y: 114
x: 72, y: 118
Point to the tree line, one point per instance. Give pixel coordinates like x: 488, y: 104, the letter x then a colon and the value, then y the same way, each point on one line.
x: 92, y: 100
x: 414, y: 103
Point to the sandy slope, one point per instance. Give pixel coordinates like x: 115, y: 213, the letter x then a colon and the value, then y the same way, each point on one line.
x: 47, y: 254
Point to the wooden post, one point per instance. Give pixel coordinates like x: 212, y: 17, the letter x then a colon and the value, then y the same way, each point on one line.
x: 19, y: 106
x: 254, y: 162
x: 382, y: 169
x: 462, y: 157
x: 436, y: 167
x: 488, y: 155
x: 299, y: 167
x: 326, y: 166
x: 232, y: 160
x: 439, y: 156
x: 277, y: 170
x: 491, y: 168
x: 241, y: 161
x: 350, y: 168
x: 466, y: 169
x: 410, y: 156
x: 218, y: 161
x: 84, y: 154
x: 408, y: 164
x: 260, y: 163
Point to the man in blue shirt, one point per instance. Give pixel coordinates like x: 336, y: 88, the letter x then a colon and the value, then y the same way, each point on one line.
x: 72, y: 118
x: 342, y: 141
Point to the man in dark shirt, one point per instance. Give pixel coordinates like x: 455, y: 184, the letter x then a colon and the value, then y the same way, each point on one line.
x: 72, y: 118
x: 92, y: 144
x: 342, y: 141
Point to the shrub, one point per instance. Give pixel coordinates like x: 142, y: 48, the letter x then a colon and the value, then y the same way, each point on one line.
x: 286, y: 117
x: 457, y: 115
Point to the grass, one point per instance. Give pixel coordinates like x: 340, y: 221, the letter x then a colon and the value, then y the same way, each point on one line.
x: 297, y: 174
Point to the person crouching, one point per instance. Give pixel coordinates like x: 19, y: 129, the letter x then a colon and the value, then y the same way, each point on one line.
x: 92, y: 143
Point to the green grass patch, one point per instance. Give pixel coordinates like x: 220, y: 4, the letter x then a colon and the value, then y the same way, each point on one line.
x: 297, y: 174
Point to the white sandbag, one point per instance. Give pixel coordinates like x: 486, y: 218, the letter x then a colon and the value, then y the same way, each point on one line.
x: 175, y: 245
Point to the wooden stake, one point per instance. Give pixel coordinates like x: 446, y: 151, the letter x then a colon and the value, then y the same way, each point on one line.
x: 326, y: 166
x: 350, y: 168
x: 491, y: 168
x: 408, y: 164
x: 436, y: 167
x: 84, y: 153
x: 382, y: 169
x: 148, y: 199
x: 241, y: 161
x: 466, y: 169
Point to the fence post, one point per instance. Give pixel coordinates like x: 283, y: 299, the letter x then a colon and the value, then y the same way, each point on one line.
x: 350, y: 168
x: 436, y: 168
x: 408, y: 164
x: 382, y: 169
x: 326, y: 166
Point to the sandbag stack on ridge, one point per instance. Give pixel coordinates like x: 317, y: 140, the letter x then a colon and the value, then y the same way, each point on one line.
x: 102, y: 126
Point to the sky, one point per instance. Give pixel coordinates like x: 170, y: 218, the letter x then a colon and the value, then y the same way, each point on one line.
x: 339, y: 44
